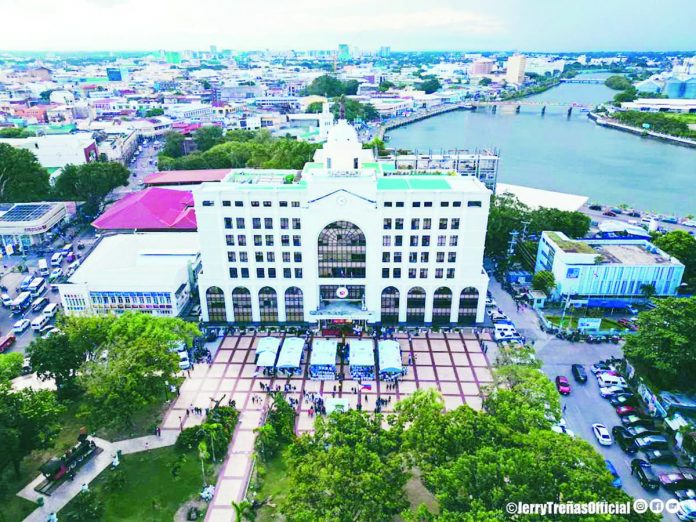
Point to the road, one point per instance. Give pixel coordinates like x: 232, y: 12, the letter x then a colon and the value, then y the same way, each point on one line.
x: 596, y: 215
x: 584, y: 406
x: 144, y: 163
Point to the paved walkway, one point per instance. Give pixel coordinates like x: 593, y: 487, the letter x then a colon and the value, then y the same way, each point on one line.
x: 68, y: 490
x: 452, y: 363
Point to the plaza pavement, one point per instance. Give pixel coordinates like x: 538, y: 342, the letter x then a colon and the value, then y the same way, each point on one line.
x: 453, y: 363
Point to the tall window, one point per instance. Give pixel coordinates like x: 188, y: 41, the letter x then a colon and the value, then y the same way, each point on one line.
x: 215, y: 299
x: 442, y: 305
x: 390, y: 305
x: 294, y: 305
x: 268, y: 305
x: 468, y: 302
x: 241, y: 305
x: 415, y: 305
x: 341, y: 251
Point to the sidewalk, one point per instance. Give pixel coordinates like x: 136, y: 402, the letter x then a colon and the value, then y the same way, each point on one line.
x: 68, y: 490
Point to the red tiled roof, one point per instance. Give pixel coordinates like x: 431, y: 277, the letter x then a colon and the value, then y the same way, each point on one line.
x: 184, y: 177
x: 154, y: 208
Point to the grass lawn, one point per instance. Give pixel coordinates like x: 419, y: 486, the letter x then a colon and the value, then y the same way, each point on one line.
x: 150, y: 492
x: 15, y: 508
x: 686, y: 118
x: 273, y: 486
x: 572, y: 322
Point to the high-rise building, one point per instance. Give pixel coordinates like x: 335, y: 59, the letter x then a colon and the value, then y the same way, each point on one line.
x: 515, y: 69
x: 384, y: 52
x: 345, y: 241
x: 343, y: 52
x: 481, y: 66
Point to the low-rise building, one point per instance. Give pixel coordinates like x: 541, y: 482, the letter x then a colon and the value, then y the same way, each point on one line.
x: 24, y: 225
x: 597, y: 267
x: 152, y: 273
x: 58, y: 150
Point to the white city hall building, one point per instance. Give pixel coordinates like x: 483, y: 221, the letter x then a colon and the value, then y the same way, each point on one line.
x: 342, y: 242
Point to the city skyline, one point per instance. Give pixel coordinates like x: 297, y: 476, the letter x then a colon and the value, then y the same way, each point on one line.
x: 307, y: 24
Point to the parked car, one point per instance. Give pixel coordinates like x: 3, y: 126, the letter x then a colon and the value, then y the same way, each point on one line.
x: 642, y: 431
x: 38, y: 304
x: 645, y: 475
x: 609, y: 213
x: 684, y: 494
x: 637, y: 420
x: 21, y: 326
x: 623, y: 399
x: 622, y: 411
x: 601, y: 367
x: 6, y: 341
x: 624, y: 440
x: 562, y: 385
x: 55, y: 274
x: 677, y: 480
x: 661, y: 456
x: 609, y: 391
x: 595, y: 207
x: 652, y: 442
x: 686, y: 510
x: 602, y: 435
x: 610, y: 467
x: 579, y: 373
x: 6, y: 299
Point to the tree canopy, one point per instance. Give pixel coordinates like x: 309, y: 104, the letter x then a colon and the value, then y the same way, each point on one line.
x: 354, y: 110
x: 544, y: 281
x: 330, y: 86
x: 173, y: 145
x: 22, y: 178
x: 207, y: 137
x: 681, y: 245
x: 10, y: 366
x: 618, y: 82
x: 664, y: 347
x: 90, y: 183
x: 430, y: 85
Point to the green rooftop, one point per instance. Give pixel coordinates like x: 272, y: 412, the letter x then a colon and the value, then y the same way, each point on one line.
x: 412, y: 183
x: 570, y: 246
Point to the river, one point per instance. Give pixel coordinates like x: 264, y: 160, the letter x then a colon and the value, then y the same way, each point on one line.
x: 564, y: 154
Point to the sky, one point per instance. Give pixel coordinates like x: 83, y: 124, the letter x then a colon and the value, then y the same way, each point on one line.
x: 524, y: 25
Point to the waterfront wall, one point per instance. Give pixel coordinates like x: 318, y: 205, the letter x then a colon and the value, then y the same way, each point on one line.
x: 422, y: 115
x: 677, y: 140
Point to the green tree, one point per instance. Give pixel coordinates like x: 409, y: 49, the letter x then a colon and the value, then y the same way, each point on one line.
x: 386, y: 85
x: 155, y: 111
x: 11, y: 366
x: 618, y: 82
x: 57, y: 358
x: 484, y: 82
x: 326, y: 85
x: 90, y: 183
x: 85, y: 507
x: 506, y: 214
x: 28, y: 421
x: 173, y: 145
x: 15, y: 132
x: 354, y: 110
x: 315, y: 108
x: 648, y: 290
x: 278, y: 430
x: 378, y: 144
x: 207, y: 137
x: 571, y: 223
x: 544, y: 281
x: 682, y: 245
x: 664, y: 347
x: 22, y: 178
x: 430, y: 85
x: 348, y: 470
x: 628, y: 95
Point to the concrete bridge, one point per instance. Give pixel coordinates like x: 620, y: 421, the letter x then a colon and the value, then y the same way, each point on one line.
x: 593, y: 81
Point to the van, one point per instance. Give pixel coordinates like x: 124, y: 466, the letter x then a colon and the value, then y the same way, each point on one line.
x: 6, y: 299
x: 6, y: 341
x: 38, y: 304
x: 56, y: 259
x: 39, y: 322
x: 606, y: 379
x: 43, y: 268
x: 51, y: 310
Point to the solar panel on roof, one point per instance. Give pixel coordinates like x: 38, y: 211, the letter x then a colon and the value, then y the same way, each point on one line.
x: 26, y: 212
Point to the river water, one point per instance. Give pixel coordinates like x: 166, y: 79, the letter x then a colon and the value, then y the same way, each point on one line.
x: 564, y: 154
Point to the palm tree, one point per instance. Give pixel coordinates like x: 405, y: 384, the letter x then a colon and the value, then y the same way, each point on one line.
x: 243, y: 510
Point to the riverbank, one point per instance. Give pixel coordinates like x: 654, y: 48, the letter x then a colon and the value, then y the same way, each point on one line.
x: 420, y: 115
x: 606, y: 122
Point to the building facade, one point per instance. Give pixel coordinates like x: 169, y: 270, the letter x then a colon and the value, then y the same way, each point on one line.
x: 515, y: 66
x: 341, y: 242
x: 617, y: 268
x: 26, y: 225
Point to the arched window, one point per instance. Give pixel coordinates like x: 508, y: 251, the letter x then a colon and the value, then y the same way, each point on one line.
x: 415, y: 305
x: 294, y: 305
x: 442, y: 305
x: 468, y: 303
x: 390, y: 305
x: 268, y: 305
x: 241, y: 305
x: 341, y: 248
x: 215, y: 299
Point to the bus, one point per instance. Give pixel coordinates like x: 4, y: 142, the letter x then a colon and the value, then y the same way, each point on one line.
x: 37, y: 286
x: 21, y: 303
x: 43, y: 268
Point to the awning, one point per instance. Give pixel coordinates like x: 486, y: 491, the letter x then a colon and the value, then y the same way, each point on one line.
x: 362, y: 353
x: 290, y: 353
x: 266, y: 359
x: 323, y: 353
x: 268, y: 344
x: 389, y: 356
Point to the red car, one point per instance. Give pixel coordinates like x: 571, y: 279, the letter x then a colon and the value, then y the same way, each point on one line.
x: 623, y: 411
x: 609, y: 213
x: 562, y: 385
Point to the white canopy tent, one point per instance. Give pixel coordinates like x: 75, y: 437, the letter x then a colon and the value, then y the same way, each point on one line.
x: 362, y: 359
x: 322, y: 363
x: 389, y: 357
x: 266, y: 351
x: 290, y: 354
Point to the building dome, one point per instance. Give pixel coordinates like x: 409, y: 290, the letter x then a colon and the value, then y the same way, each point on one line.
x: 342, y: 132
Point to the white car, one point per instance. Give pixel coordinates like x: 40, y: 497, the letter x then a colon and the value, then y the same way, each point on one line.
x: 687, y: 509
x: 602, y: 435
x: 55, y: 273
x: 690, y: 223
x: 21, y: 325
x: 184, y: 363
x: 609, y: 391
